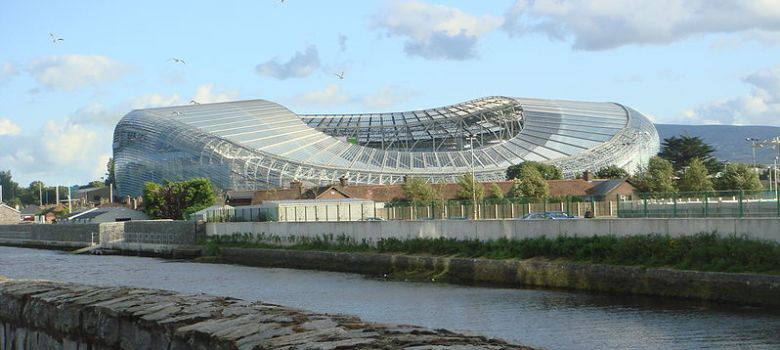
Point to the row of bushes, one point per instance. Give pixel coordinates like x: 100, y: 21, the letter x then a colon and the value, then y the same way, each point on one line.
x: 702, y: 252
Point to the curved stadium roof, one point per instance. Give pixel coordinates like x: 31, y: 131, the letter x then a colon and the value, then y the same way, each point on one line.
x: 260, y: 144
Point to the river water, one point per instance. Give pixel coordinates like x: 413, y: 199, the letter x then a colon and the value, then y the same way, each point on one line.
x: 539, y: 318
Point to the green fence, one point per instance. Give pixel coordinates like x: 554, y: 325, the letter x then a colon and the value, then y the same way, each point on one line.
x: 733, y: 204
x: 498, y: 209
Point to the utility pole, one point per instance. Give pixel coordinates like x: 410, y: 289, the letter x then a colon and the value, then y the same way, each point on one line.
x: 753, y: 145
x: 471, y: 138
x: 40, y: 193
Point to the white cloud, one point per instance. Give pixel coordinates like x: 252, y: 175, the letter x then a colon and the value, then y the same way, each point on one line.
x: 8, y: 128
x: 606, y: 24
x: 70, y: 72
x: 61, y: 152
x: 301, y: 65
x: 435, y: 31
x: 386, y: 97
x: 204, y: 94
x: 7, y: 71
x: 342, y: 42
x: 760, y: 106
x: 155, y: 100
x: 331, y: 95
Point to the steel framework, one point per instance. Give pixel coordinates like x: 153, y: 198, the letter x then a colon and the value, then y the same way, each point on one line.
x: 260, y: 144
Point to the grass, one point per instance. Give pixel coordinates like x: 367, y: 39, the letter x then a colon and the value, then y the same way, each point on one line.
x: 701, y: 252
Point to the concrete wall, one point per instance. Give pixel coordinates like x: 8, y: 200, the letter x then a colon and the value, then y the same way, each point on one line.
x: 132, y: 235
x: 49, y: 235
x: 48, y: 315
x: 716, y: 286
x: 754, y: 228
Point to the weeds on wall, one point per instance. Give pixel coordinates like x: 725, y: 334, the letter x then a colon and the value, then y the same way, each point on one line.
x: 701, y: 252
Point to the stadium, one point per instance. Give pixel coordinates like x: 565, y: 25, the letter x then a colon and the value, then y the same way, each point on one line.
x: 258, y: 144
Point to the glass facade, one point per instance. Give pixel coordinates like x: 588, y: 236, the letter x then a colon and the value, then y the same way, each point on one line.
x: 260, y: 144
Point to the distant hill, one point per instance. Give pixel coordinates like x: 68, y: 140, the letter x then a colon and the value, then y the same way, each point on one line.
x: 728, y: 140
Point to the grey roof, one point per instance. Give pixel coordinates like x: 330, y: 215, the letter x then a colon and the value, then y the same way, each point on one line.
x: 603, y: 187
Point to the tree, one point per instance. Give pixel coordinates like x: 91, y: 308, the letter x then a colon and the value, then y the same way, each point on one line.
x: 611, y: 172
x: 110, y: 172
x: 468, y: 188
x: 97, y: 184
x: 681, y: 150
x: 739, y: 177
x: 418, y: 191
x: 495, y: 192
x: 695, y: 178
x: 11, y: 189
x: 530, y: 184
x: 548, y: 172
x: 175, y: 200
x: 658, y: 176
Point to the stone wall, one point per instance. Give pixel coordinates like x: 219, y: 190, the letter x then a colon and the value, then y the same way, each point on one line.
x: 49, y: 315
x: 754, y: 228
x: 133, y: 235
x: 50, y: 235
x: 716, y: 286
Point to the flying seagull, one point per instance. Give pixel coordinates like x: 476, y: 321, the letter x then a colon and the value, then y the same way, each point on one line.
x: 339, y: 75
x: 55, y: 39
x: 177, y: 60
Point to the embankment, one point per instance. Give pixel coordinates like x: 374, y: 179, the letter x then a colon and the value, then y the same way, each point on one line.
x: 713, y: 286
x: 50, y: 315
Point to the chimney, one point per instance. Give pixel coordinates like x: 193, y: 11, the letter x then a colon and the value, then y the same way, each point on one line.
x: 343, y: 182
x: 586, y: 175
x: 295, y: 184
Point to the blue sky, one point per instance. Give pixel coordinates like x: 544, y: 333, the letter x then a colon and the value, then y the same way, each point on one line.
x: 679, y: 61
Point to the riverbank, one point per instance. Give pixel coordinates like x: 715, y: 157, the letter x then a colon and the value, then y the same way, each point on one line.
x: 702, y: 266
x: 711, y: 286
x: 53, y: 315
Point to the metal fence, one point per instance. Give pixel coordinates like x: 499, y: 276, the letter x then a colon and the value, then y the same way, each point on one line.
x: 438, y: 210
x: 734, y: 204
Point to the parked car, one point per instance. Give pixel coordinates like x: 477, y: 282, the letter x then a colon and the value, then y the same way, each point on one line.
x: 548, y: 215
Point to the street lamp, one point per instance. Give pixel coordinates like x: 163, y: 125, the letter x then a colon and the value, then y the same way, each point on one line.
x: 754, y: 145
x: 471, y: 138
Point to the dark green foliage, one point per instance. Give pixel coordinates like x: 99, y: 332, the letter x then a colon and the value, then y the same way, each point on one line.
x: 496, y: 194
x: 530, y: 184
x: 549, y: 172
x: 175, y: 200
x: 681, y: 150
x: 611, y: 172
x: 739, y: 177
x: 109, y: 177
x: 695, y: 178
x: 657, y: 177
x: 11, y: 190
x: 418, y: 191
x: 469, y: 189
x: 702, y: 252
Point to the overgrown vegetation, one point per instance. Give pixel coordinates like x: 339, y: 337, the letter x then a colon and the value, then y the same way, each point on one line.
x: 702, y: 252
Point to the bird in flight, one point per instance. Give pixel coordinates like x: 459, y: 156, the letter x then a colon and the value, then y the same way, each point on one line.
x: 193, y: 102
x: 55, y: 39
x: 177, y: 60
x: 339, y: 75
